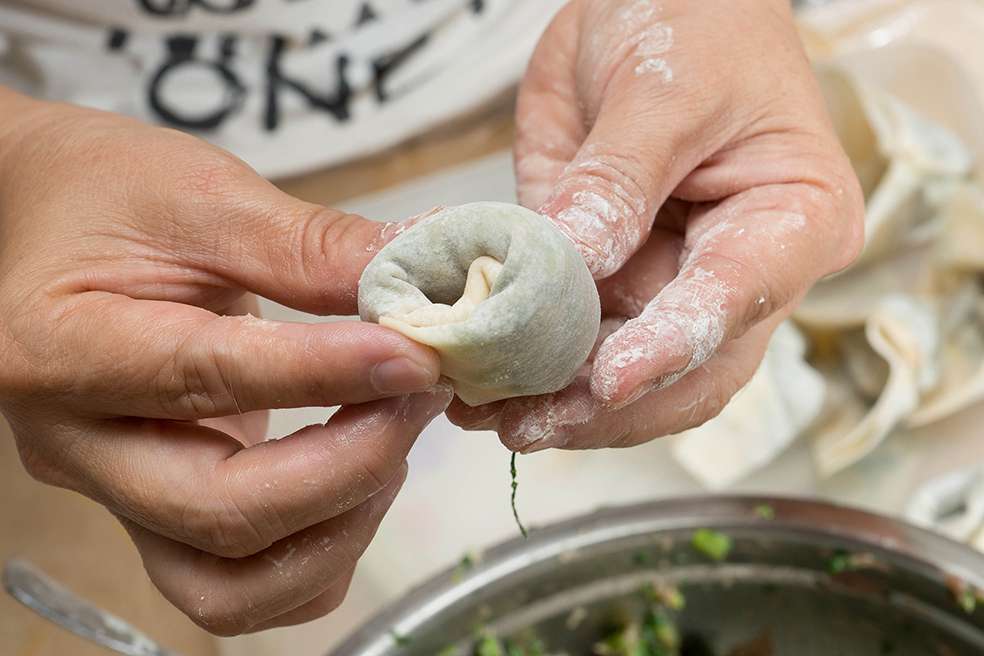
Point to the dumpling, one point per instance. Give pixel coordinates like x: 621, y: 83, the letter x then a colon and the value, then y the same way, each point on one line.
x: 908, y: 166
x: 909, y: 169
x: 497, y: 290
x: 783, y: 398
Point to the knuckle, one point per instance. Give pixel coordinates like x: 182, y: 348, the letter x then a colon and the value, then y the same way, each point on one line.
x: 759, y: 296
x: 214, y: 174
x: 223, y: 528
x: 625, y: 177
x: 320, y: 235
x: 196, y: 381
x: 378, y: 468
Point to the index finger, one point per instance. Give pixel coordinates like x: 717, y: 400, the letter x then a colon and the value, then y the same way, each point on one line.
x: 746, y: 259
x: 198, y: 486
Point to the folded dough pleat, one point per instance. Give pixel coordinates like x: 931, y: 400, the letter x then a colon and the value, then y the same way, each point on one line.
x: 905, y: 333
x: 952, y: 504
x: 417, y: 325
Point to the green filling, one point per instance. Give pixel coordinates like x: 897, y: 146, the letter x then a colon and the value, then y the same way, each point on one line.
x: 713, y: 544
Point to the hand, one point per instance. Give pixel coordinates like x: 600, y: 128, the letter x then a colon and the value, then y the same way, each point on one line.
x: 126, y: 255
x: 709, y: 113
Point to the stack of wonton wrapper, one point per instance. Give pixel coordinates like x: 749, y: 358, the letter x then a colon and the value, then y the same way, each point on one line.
x: 896, y: 341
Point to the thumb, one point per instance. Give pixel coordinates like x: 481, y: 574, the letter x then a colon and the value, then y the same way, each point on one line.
x: 300, y: 254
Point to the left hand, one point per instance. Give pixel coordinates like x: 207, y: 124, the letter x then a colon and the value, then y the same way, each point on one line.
x: 685, y: 149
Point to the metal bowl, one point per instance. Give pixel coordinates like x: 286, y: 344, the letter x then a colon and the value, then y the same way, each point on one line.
x: 895, y: 589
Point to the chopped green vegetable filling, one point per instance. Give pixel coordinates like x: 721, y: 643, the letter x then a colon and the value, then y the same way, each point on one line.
x: 489, y: 645
x: 651, y: 632
x: 840, y: 562
x: 654, y: 633
x: 843, y: 561
x: 713, y: 544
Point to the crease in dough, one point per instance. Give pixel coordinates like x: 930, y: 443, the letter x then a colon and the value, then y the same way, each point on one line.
x: 482, y: 274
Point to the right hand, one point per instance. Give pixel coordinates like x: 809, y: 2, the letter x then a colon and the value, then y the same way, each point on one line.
x: 127, y: 255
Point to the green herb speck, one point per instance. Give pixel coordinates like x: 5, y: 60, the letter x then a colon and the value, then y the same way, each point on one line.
x: 400, y: 640
x: 967, y: 600
x: 713, y: 544
x: 465, y: 565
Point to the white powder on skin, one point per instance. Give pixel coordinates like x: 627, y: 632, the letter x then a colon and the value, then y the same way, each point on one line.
x: 391, y: 231
x: 654, y: 42
x: 655, y: 66
x: 605, y: 220
x: 688, y: 320
x: 258, y: 323
x: 637, y: 12
x: 684, y: 324
x: 280, y: 563
x: 546, y: 421
x: 591, y: 223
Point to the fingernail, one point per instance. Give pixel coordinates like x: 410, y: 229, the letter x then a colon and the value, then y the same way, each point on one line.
x: 425, y: 406
x: 557, y: 440
x: 401, y: 375
x: 636, y: 394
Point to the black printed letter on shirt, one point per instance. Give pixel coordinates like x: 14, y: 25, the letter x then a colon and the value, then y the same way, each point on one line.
x: 181, y: 58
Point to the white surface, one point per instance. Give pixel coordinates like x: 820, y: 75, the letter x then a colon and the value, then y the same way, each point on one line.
x: 456, y: 496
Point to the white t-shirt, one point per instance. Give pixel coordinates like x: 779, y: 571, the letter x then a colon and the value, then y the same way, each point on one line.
x: 289, y: 85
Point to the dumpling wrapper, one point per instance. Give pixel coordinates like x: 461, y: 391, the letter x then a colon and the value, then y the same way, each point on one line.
x: 905, y: 333
x: 497, y: 290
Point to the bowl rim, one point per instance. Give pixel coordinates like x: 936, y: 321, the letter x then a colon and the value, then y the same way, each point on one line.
x: 929, y: 553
